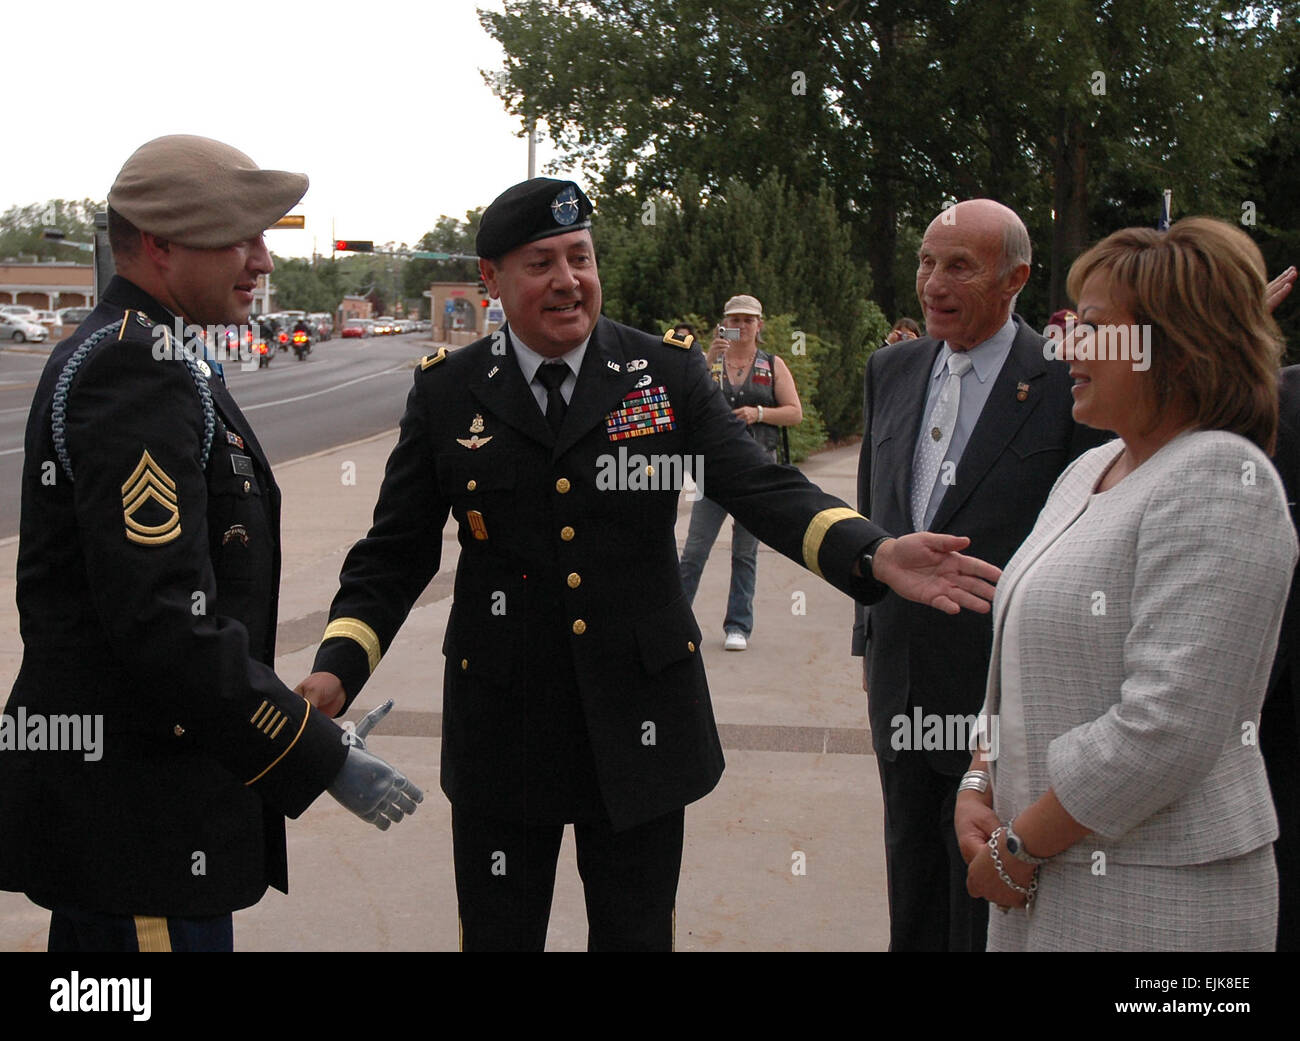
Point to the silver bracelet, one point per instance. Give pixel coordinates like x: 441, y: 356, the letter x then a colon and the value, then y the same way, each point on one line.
x: 1029, y: 891
x: 760, y: 413
x: 975, y: 781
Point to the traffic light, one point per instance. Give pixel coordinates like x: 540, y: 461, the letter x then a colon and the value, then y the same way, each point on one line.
x: 354, y: 246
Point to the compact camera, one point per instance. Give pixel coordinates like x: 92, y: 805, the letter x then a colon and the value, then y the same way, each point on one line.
x: 728, y: 334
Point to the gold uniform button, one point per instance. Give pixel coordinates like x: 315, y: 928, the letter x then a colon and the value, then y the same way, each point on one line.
x: 690, y: 646
x: 567, y: 533
x: 178, y: 730
x: 464, y: 664
x: 562, y: 485
x: 247, y: 486
x: 579, y: 627
x: 574, y: 580
x: 470, y: 485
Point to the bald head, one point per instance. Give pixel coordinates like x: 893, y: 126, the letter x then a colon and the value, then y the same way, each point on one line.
x: 973, y: 262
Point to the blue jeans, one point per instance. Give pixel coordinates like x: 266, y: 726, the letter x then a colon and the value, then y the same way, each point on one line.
x: 706, y: 521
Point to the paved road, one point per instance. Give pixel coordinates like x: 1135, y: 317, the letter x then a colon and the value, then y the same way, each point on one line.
x: 345, y: 390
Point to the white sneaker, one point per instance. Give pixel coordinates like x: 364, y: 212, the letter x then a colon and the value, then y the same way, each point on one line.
x: 735, y: 642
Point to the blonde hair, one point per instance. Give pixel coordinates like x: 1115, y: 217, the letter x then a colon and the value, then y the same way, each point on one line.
x: 1215, y: 349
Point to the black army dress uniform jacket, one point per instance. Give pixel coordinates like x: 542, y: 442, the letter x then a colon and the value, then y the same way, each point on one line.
x: 573, y: 682
x: 147, y: 586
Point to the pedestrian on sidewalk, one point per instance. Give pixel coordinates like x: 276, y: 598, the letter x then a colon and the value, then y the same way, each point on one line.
x: 761, y: 391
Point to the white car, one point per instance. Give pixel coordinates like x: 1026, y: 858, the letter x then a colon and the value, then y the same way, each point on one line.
x: 20, y: 310
x: 20, y: 330
x: 48, y: 318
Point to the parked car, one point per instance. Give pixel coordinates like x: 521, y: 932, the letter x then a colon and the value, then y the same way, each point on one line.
x: 20, y: 330
x: 20, y: 310
x: 74, y: 315
x: 357, y: 327
x: 49, y: 319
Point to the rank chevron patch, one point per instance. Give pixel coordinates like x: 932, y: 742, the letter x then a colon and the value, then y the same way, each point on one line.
x: 147, y: 484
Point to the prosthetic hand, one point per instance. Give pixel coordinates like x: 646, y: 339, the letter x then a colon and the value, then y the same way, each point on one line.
x: 367, y: 785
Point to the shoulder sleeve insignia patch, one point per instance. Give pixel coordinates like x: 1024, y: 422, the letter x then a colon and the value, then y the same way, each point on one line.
x: 149, y: 504
x: 430, y: 360
x: 685, y: 343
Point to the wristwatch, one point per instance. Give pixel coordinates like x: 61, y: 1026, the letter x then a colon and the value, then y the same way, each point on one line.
x: 864, y: 560
x: 1017, y: 848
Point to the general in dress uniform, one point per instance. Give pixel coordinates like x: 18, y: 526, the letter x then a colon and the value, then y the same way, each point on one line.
x: 148, y: 570
x: 574, y: 691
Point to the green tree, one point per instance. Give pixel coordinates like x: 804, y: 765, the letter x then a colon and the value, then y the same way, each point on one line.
x: 21, y: 229
x: 1055, y: 107
x: 787, y: 247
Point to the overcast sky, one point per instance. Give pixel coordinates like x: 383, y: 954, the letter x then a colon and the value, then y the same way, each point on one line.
x: 379, y: 102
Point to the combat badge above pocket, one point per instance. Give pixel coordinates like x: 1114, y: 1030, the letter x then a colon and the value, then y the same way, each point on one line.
x: 150, y: 506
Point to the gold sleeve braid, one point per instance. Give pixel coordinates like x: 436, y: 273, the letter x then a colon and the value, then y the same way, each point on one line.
x: 816, y: 534
x: 357, y: 630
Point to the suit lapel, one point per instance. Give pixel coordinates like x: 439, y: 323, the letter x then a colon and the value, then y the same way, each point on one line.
x: 1004, y: 413
x: 903, y: 421
x: 501, y: 389
x: 602, y: 384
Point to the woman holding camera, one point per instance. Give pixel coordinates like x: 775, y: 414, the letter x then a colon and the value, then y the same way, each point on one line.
x: 761, y: 392
x: 1120, y: 800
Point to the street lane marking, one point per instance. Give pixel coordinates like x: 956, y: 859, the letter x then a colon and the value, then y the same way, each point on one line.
x: 327, y: 390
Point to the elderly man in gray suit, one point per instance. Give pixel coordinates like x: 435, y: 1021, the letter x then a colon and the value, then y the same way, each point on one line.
x: 966, y: 431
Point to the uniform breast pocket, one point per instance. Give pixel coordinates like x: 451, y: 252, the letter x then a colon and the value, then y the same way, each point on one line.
x: 482, y: 490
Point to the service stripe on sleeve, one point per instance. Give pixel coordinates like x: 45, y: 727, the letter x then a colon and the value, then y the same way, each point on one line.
x: 816, y: 534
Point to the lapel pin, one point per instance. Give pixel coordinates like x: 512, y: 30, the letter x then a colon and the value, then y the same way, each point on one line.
x: 613, y: 365
x: 1022, y: 391
x: 493, y: 371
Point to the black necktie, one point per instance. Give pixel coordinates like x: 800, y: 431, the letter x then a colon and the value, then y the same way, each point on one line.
x: 552, y: 374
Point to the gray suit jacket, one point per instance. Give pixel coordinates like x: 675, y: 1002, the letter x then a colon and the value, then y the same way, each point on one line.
x: 1146, y: 632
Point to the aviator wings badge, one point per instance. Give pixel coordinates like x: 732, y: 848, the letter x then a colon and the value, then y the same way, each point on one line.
x: 475, y: 428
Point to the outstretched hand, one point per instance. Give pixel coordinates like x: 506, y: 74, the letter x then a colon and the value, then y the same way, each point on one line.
x: 368, y: 786
x: 927, y: 567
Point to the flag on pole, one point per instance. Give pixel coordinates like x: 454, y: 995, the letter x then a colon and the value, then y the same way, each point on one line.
x: 1163, y: 223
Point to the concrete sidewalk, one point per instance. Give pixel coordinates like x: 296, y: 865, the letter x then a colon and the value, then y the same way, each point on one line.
x: 786, y: 854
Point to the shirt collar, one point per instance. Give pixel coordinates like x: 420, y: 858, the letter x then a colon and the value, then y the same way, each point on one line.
x: 986, y: 358
x: 529, y: 360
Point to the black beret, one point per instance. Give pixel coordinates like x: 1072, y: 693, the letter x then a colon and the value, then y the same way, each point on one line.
x: 528, y: 211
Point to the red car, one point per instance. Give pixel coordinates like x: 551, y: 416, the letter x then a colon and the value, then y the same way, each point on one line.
x: 351, y: 332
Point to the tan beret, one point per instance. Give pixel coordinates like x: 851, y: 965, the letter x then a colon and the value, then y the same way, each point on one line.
x: 201, y: 193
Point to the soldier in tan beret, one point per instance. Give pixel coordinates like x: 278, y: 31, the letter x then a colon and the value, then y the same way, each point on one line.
x: 148, y: 752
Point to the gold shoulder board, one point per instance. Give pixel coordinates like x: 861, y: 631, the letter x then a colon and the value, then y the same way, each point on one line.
x: 685, y: 344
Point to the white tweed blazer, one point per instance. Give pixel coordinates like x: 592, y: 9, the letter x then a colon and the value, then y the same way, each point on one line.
x: 1147, y: 634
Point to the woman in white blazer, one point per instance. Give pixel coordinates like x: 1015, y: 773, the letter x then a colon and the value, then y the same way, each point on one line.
x: 1119, y: 800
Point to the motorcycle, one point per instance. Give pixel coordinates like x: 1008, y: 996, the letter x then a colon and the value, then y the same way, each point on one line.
x: 301, y: 345
x: 263, y: 351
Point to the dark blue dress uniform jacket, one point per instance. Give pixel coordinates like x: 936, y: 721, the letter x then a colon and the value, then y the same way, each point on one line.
x: 573, y: 687
x: 147, y: 590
